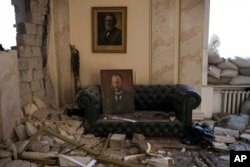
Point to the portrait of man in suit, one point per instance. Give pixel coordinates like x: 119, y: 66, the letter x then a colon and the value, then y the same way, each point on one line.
x: 118, y: 100
x: 109, y: 29
x: 109, y: 34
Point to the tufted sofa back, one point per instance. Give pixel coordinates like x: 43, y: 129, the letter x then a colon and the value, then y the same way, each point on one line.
x: 152, y: 97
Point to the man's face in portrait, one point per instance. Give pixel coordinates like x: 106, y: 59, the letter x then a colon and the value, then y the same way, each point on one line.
x: 116, y: 83
x: 109, y: 22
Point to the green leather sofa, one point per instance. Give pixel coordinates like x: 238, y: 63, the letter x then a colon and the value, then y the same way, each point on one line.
x: 178, y: 99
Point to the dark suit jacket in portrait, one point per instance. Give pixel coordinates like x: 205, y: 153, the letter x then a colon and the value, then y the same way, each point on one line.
x: 113, y: 37
x: 119, y: 104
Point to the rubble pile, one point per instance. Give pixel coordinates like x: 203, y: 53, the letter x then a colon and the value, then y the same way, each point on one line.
x: 49, y: 137
x: 231, y: 132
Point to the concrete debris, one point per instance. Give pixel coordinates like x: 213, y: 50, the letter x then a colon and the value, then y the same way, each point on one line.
x: 21, y: 132
x: 41, y: 115
x: 117, y: 141
x: 38, y: 102
x: 245, y: 137
x: 29, y: 109
x: 133, y: 157
x: 30, y: 128
x: 39, y: 146
x: 20, y: 145
x: 65, y: 160
x: 226, y: 132
x: 224, y: 139
x: 220, y: 146
x: 5, y: 154
x: 161, y: 162
x: 17, y: 163
x: 4, y: 161
x: 46, y: 136
x: 240, y: 146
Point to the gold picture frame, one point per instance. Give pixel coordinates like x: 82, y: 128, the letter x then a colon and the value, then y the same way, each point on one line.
x: 109, y: 29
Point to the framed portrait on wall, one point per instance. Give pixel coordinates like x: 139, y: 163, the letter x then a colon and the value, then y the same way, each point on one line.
x: 109, y: 29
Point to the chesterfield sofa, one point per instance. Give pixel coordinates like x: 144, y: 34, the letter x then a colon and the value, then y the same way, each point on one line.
x: 164, y: 100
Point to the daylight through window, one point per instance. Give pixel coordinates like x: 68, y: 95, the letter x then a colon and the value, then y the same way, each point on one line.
x: 229, y: 20
x: 7, y: 29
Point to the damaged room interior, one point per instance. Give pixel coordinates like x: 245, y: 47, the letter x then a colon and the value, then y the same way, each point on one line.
x: 145, y: 83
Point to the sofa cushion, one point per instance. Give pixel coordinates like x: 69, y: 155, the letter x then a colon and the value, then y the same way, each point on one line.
x: 152, y: 97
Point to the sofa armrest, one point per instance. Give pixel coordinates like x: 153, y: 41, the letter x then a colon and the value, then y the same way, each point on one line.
x: 89, y: 98
x: 184, y: 99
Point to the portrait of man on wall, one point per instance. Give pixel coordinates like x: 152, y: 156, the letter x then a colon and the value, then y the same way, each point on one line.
x: 109, y: 29
x: 117, y: 91
x: 108, y: 32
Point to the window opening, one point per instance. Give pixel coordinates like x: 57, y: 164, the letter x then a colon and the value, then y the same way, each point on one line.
x: 7, y: 28
x: 229, y: 20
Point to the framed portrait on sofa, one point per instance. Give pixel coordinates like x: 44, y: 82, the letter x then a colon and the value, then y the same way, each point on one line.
x: 117, y: 91
x: 109, y: 29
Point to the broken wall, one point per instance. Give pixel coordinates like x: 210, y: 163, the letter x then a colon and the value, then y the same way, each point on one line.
x: 32, y: 22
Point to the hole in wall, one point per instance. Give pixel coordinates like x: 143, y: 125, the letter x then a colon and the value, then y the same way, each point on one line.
x: 7, y: 28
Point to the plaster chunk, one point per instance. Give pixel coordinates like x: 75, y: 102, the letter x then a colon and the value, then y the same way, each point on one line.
x: 21, y: 132
x: 38, y: 102
x: 39, y: 146
x: 29, y: 109
x: 161, y: 162
x: 5, y: 154
x: 245, y: 136
x: 89, y: 140
x: 63, y: 132
x: 41, y: 114
x: 219, y: 146
x: 79, y: 131
x: 49, y: 139
x: 20, y: 145
x: 74, y: 123
x: 18, y: 163
x: 69, y: 160
x: 117, y: 141
x: 226, y: 132
x: 30, y: 128
x: 71, y: 130
x: 65, y: 117
x: 224, y: 139
x: 59, y: 141
x: 4, y: 161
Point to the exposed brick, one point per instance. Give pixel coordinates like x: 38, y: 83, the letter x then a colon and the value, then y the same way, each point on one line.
x: 35, y: 85
x: 35, y: 62
x: 27, y: 28
x: 26, y: 99
x: 36, y: 18
x: 25, y: 40
x: 36, y: 51
x: 24, y: 51
x: 40, y: 30
x: 40, y: 94
x: 29, y: 51
x: 37, y: 6
x: 26, y: 76
x: 39, y: 40
x: 38, y: 74
x: 25, y: 89
x: 22, y: 64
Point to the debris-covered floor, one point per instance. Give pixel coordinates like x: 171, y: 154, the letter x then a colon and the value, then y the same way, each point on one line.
x: 49, y: 137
